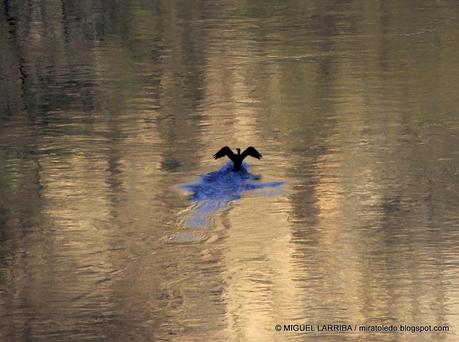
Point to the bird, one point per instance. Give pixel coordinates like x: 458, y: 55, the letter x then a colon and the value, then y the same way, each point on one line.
x: 239, y: 157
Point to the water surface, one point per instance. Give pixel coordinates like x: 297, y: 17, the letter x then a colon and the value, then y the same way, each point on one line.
x: 108, y: 108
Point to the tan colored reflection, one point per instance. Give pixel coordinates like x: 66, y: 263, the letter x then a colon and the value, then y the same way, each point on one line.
x: 353, y: 102
x: 259, y: 289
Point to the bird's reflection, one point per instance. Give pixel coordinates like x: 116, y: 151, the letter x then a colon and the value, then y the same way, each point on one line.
x: 215, y: 190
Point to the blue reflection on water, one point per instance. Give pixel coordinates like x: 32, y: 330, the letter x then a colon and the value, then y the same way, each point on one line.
x: 215, y: 190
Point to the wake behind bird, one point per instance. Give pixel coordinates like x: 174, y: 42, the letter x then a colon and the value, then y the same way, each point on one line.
x: 214, y: 191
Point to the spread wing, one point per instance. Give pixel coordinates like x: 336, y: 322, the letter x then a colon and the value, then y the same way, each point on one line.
x: 224, y: 151
x: 251, y: 151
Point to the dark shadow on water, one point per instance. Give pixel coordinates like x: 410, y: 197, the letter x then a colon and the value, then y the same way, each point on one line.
x: 215, y: 190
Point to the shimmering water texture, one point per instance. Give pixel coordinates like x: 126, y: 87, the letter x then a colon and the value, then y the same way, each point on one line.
x: 215, y: 191
x: 116, y: 224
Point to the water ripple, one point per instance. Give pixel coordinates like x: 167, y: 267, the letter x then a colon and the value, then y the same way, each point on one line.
x: 214, y: 191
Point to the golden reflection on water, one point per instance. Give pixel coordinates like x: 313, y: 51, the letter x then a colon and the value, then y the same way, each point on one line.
x: 352, y: 104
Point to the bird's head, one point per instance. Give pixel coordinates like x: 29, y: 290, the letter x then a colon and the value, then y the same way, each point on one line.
x: 238, y: 151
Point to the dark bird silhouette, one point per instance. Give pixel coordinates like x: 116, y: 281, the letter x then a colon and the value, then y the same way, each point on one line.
x: 239, y: 157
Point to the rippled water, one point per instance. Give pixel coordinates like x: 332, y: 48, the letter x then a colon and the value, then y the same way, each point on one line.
x: 216, y: 190
x: 116, y: 223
